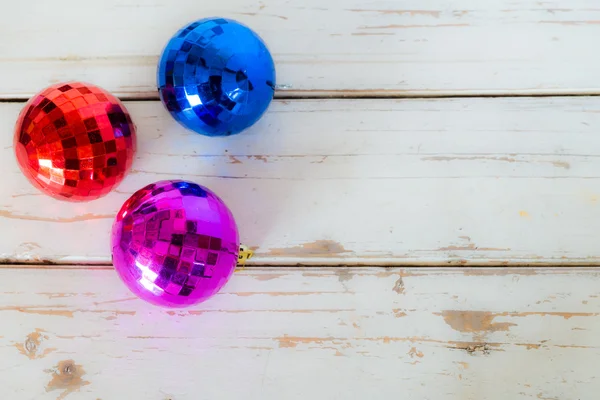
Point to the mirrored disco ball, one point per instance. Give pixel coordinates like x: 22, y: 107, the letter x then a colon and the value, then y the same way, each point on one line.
x: 74, y: 141
x: 216, y: 77
x: 174, y: 243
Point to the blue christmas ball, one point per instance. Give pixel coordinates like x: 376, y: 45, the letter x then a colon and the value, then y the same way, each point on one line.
x: 216, y: 77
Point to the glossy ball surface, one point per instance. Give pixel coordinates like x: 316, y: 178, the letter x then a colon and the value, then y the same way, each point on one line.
x: 216, y: 77
x: 74, y: 141
x: 174, y: 243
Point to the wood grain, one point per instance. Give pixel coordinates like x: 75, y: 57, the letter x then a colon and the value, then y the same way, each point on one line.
x: 322, y: 48
x: 370, y: 182
x: 338, y: 333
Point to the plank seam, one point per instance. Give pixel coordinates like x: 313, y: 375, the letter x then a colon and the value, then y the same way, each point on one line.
x: 63, y: 265
x: 371, y: 96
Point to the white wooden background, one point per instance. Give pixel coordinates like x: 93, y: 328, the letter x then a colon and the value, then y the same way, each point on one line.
x: 386, y: 149
x: 321, y: 47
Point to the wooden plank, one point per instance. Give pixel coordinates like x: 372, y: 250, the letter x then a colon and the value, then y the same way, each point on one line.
x: 372, y: 182
x: 322, y: 48
x: 474, y: 334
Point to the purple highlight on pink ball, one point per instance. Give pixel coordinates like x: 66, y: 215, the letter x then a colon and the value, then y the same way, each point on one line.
x: 174, y: 243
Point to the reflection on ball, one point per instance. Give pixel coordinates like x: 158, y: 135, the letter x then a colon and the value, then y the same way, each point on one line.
x: 216, y: 77
x: 174, y: 243
x: 74, y: 141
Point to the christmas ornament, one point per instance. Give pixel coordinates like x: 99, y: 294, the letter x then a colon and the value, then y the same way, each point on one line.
x: 74, y: 141
x: 216, y: 77
x: 174, y: 243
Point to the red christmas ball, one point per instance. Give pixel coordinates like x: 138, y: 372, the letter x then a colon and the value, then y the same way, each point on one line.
x: 74, y: 141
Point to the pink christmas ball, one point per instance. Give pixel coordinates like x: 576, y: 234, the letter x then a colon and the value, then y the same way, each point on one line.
x: 174, y: 243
